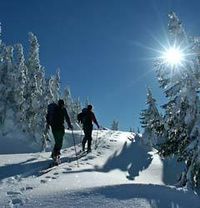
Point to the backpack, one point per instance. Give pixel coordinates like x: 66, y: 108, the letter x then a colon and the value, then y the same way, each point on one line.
x: 52, y: 113
x: 84, y: 117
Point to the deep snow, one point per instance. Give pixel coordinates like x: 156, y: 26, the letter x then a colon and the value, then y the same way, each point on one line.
x: 120, y: 172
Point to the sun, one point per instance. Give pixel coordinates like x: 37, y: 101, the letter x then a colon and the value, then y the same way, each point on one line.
x: 173, y: 56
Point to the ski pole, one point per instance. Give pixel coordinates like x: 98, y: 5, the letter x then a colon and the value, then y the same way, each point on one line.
x: 81, y: 135
x: 75, y: 148
x: 97, y: 143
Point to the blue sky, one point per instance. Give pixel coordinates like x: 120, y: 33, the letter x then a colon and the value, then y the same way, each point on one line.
x: 101, y: 46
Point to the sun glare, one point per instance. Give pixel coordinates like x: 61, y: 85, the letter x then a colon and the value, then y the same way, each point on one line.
x: 173, y: 56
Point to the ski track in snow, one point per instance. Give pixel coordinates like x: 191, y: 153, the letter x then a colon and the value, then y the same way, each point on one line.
x: 119, y: 172
x: 13, y: 195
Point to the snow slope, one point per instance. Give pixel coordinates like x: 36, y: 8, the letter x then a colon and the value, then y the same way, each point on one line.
x: 120, y: 172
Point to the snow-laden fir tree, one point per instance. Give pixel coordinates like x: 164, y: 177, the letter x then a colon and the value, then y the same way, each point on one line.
x: 74, y: 107
x: 8, y: 79
x: 115, y: 125
x: 35, y: 92
x: 67, y: 97
x: 20, y: 85
x: 2, y: 85
x: 26, y: 93
x: 181, y: 85
x: 151, y: 121
x: 8, y: 89
x: 54, y: 86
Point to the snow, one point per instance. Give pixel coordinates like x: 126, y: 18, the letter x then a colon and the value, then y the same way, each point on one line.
x: 119, y: 172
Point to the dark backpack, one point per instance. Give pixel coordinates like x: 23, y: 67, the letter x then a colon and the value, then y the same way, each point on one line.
x: 84, y: 117
x: 79, y: 118
x: 52, y: 114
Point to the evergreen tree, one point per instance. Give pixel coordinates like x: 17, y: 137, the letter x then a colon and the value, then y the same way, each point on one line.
x: 9, y: 79
x: 35, y: 92
x: 181, y: 85
x: 26, y: 92
x: 67, y: 97
x: 20, y: 86
x: 54, y: 86
x: 69, y: 103
x: 115, y: 125
x: 150, y: 120
x: 76, y: 109
x: 3, y: 75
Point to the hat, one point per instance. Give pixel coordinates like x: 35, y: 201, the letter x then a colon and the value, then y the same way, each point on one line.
x: 89, y: 107
x: 61, y: 102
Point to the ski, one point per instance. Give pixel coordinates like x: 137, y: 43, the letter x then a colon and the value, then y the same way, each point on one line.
x: 55, y: 164
x: 51, y: 166
x: 81, y: 154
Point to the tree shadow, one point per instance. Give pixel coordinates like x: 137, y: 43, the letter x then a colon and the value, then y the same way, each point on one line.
x: 172, y: 170
x: 156, y: 196
x: 24, y: 169
x: 125, y: 195
x: 132, y: 158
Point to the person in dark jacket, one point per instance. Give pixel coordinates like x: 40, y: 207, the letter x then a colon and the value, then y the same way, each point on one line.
x: 55, y: 118
x: 87, y: 117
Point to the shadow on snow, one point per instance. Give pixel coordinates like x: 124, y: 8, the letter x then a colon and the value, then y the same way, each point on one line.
x: 29, y: 167
x: 126, y: 195
x: 156, y: 195
x: 132, y: 158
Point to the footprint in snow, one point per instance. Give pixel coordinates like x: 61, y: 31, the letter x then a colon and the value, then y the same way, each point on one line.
x: 89, y: 157
x: 15, y: 198
x: 13, y: 193
x: 56, y: 173
x: 16, y: 202
x: 51, y: 177
x: 106, y: 147
x: 54, y: 178
x: 113, y: 140
x: 86, y: 159
x: 68, y: 168
x: 43, y: 181
x: 27, y: 188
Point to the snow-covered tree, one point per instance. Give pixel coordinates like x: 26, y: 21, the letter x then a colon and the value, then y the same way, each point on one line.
x: 36, y: 105
x: 54, y: 86
x: 26, y: 93
x: 181, y: 84
x: 3, y: 74
x: 115, y: 125
x: 67, y: 97
x: 20, y: 86
x: 76, y: 109
x: 150, y: 120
